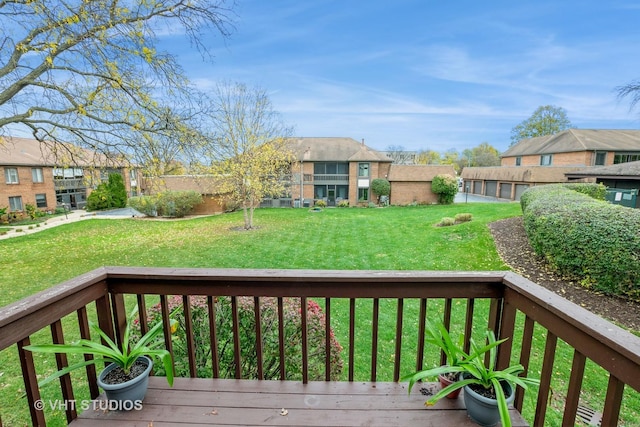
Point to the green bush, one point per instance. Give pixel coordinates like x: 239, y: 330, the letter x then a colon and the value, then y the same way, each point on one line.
x: 174, y: 204
x: 463, y: 217
x: 589, y: 240
x: 446, y: 187
x: 270, y: 338
x: 381, y: 187
x: 343, y: 204
x: 446, y: 222
x: 320, y: 203
x: 108, y: 195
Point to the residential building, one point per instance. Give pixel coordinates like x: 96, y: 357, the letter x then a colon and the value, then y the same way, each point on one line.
x: 576, y: 147
x: 337, y: 169
x: 47, y: 176
x: 551, y: 159
x: 622, y: 181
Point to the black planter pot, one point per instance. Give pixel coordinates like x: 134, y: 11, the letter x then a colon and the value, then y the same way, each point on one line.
x: 483, y: 410
x: 127, y: 395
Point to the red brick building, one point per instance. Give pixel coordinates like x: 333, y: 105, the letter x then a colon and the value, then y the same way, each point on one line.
x: 45, y: 177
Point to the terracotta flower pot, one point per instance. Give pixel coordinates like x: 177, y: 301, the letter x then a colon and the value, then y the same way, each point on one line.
x: 444, y: 382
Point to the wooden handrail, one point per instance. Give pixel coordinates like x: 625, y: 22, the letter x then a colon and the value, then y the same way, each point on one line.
x: 509, y: 295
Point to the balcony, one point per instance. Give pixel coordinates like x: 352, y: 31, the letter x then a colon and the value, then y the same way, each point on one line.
x: 553, y: 338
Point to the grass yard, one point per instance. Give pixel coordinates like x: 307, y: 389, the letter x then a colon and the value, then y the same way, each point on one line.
x: 392, y: 238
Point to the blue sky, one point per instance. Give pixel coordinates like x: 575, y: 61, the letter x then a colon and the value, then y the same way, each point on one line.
x: 429, y: 74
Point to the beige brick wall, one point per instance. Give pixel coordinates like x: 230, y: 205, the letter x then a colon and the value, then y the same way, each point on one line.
x: 404, y: 193
x: 577, y: 158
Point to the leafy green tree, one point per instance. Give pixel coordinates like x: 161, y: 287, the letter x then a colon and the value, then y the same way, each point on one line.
x: 546, y: 120
x: 90, y: 72
x: 427, y: 157
x: 446, y: 187
x: 381, y: 187
x: 115, y: 186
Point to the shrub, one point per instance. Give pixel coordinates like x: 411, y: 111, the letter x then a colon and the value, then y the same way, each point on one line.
x: 320, y: 203
x: 446, y: 187
x: 446, y: 222
x: 99, y: 199
x: 31, y: 211
x: 270, y: 338
x: 118, y: 192
x: 144, y: 204
x: 589, y: 240
x: 175, y: 204
x: 343, y: 204
x: 381, y: 187
x: 463, y: 217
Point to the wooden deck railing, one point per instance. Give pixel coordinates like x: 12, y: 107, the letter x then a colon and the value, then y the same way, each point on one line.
x: 545, y: 329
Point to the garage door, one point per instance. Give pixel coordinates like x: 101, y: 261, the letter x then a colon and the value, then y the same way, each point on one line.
x: 490, y: 188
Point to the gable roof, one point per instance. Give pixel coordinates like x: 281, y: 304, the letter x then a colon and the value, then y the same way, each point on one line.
x: 572, y: 140
x: 630, y: 170
x: 335, y: 149
x: 30, y: 152
x: 418, y: 173
x: 539, y: 174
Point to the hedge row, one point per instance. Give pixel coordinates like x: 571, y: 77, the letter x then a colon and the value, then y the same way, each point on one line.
x: 585, y: 238
x: 175, y: 204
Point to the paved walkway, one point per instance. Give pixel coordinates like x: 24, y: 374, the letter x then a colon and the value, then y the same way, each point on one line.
x: 72, y: 216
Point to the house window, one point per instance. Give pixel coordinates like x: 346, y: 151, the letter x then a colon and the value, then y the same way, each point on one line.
x: 601, y: 158
x: 546, y: 159
x: 41, y: 200
x: 363, y: 194
x: 15, y: 203
x: 519, y: 161
x: 625, y: 157
x: 36, y: 175
x: 363, y: 170
x: 11, y: 175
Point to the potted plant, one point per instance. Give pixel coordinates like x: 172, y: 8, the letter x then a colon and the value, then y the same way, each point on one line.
x: 438, y: 335
x: 126, y: 377
x: 487, y: 391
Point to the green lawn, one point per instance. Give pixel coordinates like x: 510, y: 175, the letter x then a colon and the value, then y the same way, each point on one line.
x: 392, y: 238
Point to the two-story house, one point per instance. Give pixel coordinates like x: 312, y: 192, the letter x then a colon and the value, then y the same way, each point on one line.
x: 37, y: 174
x: 551, y: 159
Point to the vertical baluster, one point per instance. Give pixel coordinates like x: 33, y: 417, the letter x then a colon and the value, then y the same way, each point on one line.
x: 375, y: 324
x: 105, y: 320
x: 447, y: 324
x: 57, y: 336
x: 305, y: 348
x: 188, y: 326
x: 612, y: 402
x: 30, y: 382
x: 507, y: 328
x: 352, y: 334
x: 525, y: 356
x: 256, y: 311
x: 213, y: 336
x: 166, y: 325
x: 573, y: 392
x: 422, y: 320
x: 545, y: 379
x: 83, y: 322
x: 327, y: 339
x: 142, y: 314
x: 468, y: 324
x: 281, y: 343
x: 236, y: 337
x: 399, y: 318
x: 119, y: 316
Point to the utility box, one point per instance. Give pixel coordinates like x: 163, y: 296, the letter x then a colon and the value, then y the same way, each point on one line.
x: 622, y: 196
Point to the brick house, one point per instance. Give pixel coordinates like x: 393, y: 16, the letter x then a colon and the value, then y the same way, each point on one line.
x: 551, y: 159
x: 337, y: 169
x: 34, y: 173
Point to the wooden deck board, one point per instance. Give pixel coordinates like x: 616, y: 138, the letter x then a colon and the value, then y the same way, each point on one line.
x: 196, y: 402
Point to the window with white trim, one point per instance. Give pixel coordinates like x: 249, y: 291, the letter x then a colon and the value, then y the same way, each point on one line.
x: 546, y: 159
x: 36, y: 175
x: 15, y: 203
x: 11, y: 175
x: 41, y: 200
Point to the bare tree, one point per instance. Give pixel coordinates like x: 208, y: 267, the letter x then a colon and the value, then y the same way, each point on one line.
x: 399, y: 155
x: 89, y: 72
x: 631, y: 90
x: 248, y: 148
